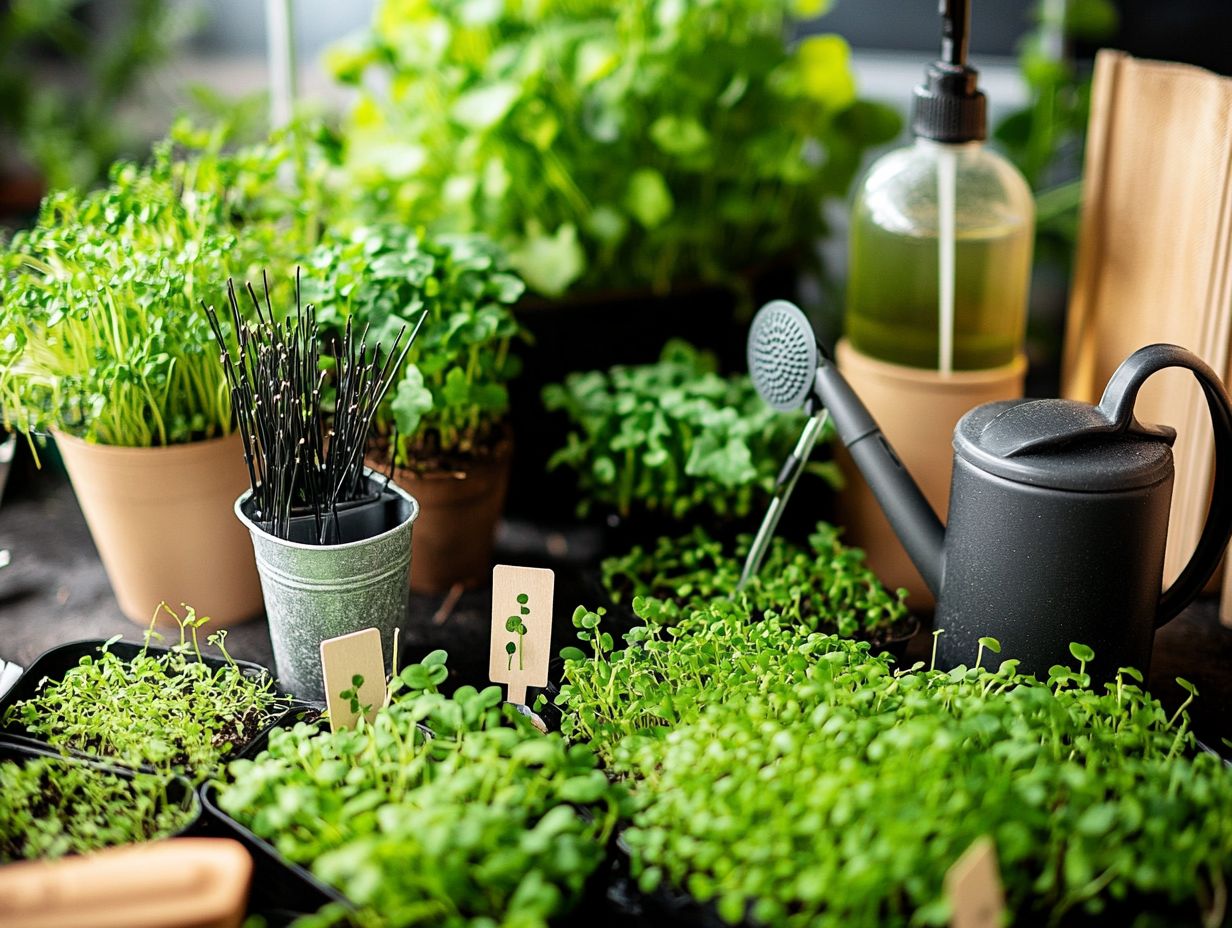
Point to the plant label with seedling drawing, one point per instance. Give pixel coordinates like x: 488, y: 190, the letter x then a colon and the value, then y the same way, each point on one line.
x: 521, y: 628
x: 973, y: 885
x: 354, y: 670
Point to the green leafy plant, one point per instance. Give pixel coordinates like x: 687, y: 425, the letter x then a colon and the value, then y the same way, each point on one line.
x: 102, y: 334
x: 673, y: 437
x: 450, y: 398
x: 442, y: 811
x: 790, y: 778
x: 826, y: 587
x: 164, y: 709
x: 51, y: 807
x: 1049, y: 133
x: 604, y: 143
x: 70, y: 131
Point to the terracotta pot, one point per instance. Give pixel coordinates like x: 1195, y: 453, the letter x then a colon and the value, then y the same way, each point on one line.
x: 162, y: 522
x: 917, y: 411
x: 456, y: 530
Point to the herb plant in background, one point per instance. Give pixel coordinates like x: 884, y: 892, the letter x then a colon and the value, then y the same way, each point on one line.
x: 825, y: 587
x: 51, y: 807
x: 672, y: 438
x: 449, y: 400
x: 70, y: 131
x: 484, y: 821
x: 165, y: 709
x: 845, y: 788
x: 608, y: 144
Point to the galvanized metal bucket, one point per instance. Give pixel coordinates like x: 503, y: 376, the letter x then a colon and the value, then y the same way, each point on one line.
x: 314, y: 592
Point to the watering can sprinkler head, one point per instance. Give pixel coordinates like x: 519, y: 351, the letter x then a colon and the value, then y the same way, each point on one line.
x: 789, y: 368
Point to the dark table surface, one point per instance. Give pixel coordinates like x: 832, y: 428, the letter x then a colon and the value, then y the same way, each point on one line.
x: 54, y: 591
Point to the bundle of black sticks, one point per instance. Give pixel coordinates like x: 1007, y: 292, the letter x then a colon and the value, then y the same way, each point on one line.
x: 297, y: 466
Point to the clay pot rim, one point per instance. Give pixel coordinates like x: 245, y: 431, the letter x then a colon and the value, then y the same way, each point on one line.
x: 502, y: 452
x: 116, y: 451
x: 923, y: 378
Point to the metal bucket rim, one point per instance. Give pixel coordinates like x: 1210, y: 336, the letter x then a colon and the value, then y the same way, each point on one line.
x: 406, y: 523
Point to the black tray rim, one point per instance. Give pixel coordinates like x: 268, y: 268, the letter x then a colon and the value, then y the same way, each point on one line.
x: 32, y: 678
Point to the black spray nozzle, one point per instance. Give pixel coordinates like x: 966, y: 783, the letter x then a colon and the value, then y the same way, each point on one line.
x: 949, y: 106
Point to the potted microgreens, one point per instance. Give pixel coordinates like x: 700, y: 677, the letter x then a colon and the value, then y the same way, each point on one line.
x: 332, y: 539
x: 53, y: 806
x: 631, y: 200
x: 171, y: 709
x: 656, y: 443
x: 103, y: 345
x: 440, y: 811
x: 443, y: 427
x: 842, y: 788
x: 825, y: 586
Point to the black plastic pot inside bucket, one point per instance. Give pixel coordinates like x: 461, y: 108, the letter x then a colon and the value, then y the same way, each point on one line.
x: 351, y: 521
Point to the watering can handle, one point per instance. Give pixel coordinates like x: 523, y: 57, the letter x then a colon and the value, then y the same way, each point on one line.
x: 1118, y: 405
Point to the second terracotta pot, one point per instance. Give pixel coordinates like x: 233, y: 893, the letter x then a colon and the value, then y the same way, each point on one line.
x: 458, y: 514
x: 162, y: 522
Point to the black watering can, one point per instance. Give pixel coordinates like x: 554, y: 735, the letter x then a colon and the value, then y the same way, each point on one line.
x: 1058, y: 509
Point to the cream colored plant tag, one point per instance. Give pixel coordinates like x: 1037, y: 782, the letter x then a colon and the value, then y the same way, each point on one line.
x: 344, y: 660
x: 521, y: 628
x: 973, y: 885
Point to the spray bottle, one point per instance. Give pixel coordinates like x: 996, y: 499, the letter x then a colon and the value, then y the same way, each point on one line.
x: 940, y: 262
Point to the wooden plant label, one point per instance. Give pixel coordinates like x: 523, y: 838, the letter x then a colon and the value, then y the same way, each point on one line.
x: 343, y: 659
x: 973, y: 885
x: 521, y: 628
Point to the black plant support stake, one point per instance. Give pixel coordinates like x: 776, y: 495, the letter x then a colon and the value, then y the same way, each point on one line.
x: 296, y: 464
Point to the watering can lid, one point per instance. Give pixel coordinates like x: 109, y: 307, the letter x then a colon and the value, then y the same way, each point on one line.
x: 1064, y: 445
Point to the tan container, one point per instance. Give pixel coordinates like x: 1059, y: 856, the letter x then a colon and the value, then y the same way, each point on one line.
x: 458, y: 514
x: 162, y: 522
x: 178, y: 883
x: 917, y: 411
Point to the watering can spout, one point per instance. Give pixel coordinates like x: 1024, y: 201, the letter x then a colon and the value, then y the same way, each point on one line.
x: 909, y: 513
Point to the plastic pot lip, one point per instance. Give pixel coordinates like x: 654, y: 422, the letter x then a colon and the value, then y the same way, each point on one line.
x: 151, y: 450
x: 256, y: 530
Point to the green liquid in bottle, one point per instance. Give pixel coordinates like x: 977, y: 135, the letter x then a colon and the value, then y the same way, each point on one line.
x: 892, y: 295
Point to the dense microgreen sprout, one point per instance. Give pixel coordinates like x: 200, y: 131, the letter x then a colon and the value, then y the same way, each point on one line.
x: 101, y: 334
x: 792, y: 778
x: 482, y: 821
x: 672, y: 438
x: 164, y: 709
x: 51, y: 807
x: 450, y: 398
x: 826, y: 587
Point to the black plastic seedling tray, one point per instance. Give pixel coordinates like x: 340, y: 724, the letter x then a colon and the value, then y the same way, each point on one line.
x: 54, y: 663
x: 179, y: 789
x: 283, y: 890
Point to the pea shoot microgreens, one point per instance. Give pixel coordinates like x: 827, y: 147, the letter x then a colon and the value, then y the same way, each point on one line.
x: 163, y: 709
x: 450, y: 811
